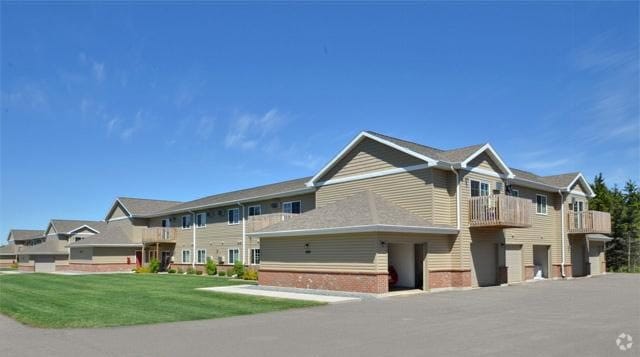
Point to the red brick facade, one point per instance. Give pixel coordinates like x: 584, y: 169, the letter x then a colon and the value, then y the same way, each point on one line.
x: 503, y: 276
x: 116, y: 267
x: 357, y: 282
x: 439, y: 279
x: 26, y: 267
x: 529, y: 271
x: 556, y: 271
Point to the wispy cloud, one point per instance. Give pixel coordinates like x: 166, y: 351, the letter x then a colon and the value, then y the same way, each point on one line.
x: 98, y: 69
x: 125, y: 129
x: 247, y: 131
x: 30, y: 96
x: 205, y: 127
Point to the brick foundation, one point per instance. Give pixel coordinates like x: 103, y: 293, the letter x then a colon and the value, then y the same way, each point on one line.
x: 556, y: 271
x: 503, y: 275
x: 529, y: 272
x: 357, y: 282
x: 26, y: 268
x: 98, y: 268
x: 453, y: 278
x: 6, y: 265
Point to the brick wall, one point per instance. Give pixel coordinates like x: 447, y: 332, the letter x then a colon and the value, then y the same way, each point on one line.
x: 529, y: 271
x: 556, y: 271
x: 98, y: 267
x: 357, y: 282
x: 503, y: 274
x: 26, y: 268
x: 439, y: 279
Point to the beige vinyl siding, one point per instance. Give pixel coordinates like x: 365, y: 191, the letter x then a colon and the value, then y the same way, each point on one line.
x: 409, y: 190
x: 370, y: 156
x: 483, y: 161
x: 444, y: 194
x: 61, y: 259
x: 113, y: 255
x: 118, y: 212
x: 81, y: 255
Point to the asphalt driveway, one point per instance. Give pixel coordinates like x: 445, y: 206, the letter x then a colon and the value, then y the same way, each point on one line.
x: 581, y: 317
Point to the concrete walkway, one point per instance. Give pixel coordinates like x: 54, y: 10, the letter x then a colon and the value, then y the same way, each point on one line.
x: 251, y: 290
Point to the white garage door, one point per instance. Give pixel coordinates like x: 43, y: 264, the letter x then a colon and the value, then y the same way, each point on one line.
x: 485, y: 263
x: 45, y: 264
x: 594, y: 258
x: 513, y: 257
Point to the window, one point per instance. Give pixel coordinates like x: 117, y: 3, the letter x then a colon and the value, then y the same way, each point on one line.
x: 255, y: 256
x: 186, y: 256
x: 233, y: 255
x: 77, y: 239
x: 202, y: 256
x: 479, y: 188
x: 186, y: 222
x: 514, y: 193
x: 255, y: 210
x: 234, y: 216
x: 541, y: 204
x: 166, y: 222
x: 201, y: 219
x: 292, y: 207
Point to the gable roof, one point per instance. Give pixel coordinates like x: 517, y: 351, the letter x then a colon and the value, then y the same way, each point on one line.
x: 135, y: 207
x: 562, y: 182
x: 52, y: 246
x: 279, y: 189
x: 25, y: 234
x: 9, y: 249
x: 66, y: 226
x: 114, y: 235
x: 364, y: 211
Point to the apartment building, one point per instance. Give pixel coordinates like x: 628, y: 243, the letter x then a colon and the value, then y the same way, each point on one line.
x: 16, y: 240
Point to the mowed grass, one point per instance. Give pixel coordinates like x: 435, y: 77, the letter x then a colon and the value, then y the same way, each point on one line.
x: 57, y: 301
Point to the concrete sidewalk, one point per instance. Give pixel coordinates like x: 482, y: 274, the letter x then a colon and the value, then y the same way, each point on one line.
x: 251, y: 290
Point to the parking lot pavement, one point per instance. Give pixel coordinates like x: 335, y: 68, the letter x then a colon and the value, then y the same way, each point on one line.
x: 580, y: 317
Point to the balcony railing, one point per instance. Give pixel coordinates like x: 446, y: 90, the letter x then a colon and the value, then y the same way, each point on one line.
x: 589, y: 222
x: 499, y: 211
x: 159, y: 235
x: 256, y: 223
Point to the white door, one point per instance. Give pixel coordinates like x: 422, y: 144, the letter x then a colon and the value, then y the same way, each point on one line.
x: 485, y: 263
x: 594, y: 258
x: 513, y: 258
x: 44, y: 264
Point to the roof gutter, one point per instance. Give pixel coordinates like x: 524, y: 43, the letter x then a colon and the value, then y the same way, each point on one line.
x: 562, y: 235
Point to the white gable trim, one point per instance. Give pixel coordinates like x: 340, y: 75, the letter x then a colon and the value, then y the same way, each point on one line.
x: 493, y: 155
x: 372, y: 174
x: 81, y: 227
x: 113, y: 207
x: 356, y: 141
x: 581, y: 178
x: 47, y: 232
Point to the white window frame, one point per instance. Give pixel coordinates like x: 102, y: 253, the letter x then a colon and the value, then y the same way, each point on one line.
x: 480, y: 183
x: 253, y: 256
x: 203, y: 220
x: 189, y: 223
x: 229, y: 256
x: 189, y: 257
x: 236, y: 216
x: 166, y: 223
x: 204, y: 256
x: 259, y: 207
x: 291, y: 202
x: 546, y: 204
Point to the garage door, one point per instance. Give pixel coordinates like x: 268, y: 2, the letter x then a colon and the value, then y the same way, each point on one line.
x: 485, y: 263
x: 594, y: 258
x: 513, y: 258
x: 45, y: 264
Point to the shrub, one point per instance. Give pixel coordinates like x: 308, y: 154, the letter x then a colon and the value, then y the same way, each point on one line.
x: 211, y: 267
x: 199, y: 272
x: 154, y: 266
x: 250, y: 274
x: 222, y: 273
x: 14, y: 266
x: 238, y: 269
x: 172, y: 271
x: 180, y: 271
x: 142, y: 270
x: 191, y: 271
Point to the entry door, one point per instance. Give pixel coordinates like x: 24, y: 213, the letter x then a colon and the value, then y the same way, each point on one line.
x: 420, y: 255
x: 485, y: 263
x: 166, y: 259
x: 594, y: 258
x: 578, y: 208
x: 513, y: 258
x: 578, y: 258
x: 138, y: 258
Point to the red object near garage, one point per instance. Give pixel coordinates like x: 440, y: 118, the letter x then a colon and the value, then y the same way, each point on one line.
x: 393, y: 276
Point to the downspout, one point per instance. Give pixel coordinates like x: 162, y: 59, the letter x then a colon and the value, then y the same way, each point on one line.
x: 455, y: 172
x: 193, y: 229
x: 562, y: 233
x: 244, y: 235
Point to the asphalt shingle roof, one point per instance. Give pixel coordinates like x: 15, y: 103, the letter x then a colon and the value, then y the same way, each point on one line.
x: 144, y: 206
x: 25, y: 234
x: 364, y: 208
x: 560, y: 181
x: 67, y: 225
x: 9, y: 249
x: 115, y: 233
x: 48, y: 247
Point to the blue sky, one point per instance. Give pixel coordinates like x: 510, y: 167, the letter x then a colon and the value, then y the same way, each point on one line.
x: 182, y: 101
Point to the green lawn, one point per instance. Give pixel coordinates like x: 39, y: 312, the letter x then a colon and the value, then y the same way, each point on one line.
x: 124, y: 299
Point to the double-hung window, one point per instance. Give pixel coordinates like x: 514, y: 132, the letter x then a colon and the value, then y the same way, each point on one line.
x: 541, y: 204
x: 294, y: 207
x: 233, y: 255
x: 233, y: 216
x: 186, y: 222
x: 255, y: 210
x: 479, y: 188
x: 255, y: 256
x: 201, y: 258
x: 186, y: 256
x: 201, y: 220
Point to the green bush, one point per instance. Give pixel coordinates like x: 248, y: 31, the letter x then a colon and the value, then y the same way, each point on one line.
x: 154, y: 266
x: 250, y: 274
x: 238, y: 269
x: 191, y: 271
x: 14, y: 266
x: 199, y: 272
x: 222, y: 273
x: 211, y: 267
x: 180, y: 271
x: 172, y: 271
x: 142, y: 270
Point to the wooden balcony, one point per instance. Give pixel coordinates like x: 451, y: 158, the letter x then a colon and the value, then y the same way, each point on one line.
x: 500, y: 211
x: 589, y: 222
x: 256, y: 223
x: 159, y: 235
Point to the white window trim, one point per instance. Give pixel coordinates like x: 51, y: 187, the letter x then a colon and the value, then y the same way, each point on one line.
x: 546, y: 205
x: 204, y: 219
x: 252, y: 256
x: 480, y: 182
x: 188, y: 219
x: 284, y: 203
x: 229, y: 255
x: 168, y: 220
x: 254, y: 206
x: 239, y: 219
x: 182, y: 256
x: 198, y: 256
